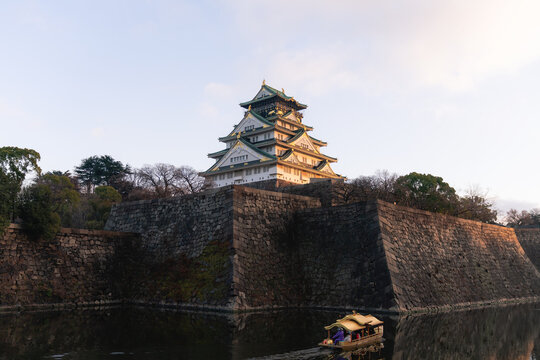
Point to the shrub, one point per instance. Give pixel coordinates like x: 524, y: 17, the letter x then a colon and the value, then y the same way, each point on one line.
x: 35, y: 210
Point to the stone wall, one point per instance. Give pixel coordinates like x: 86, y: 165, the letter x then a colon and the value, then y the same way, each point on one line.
x: 185, y: 255
x: 530, y: 241
x: 243, y: 248
x: 330, y: 192
x: 266, y: 267
x: 77, y: 266
x: 441, y: 261
x: 342, y: 257
x: 240, y: 248
x: 373, y: 255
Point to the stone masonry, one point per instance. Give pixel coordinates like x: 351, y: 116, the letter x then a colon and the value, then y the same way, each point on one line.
x: 78, y: 266
x: 239, y: 248
x: 530, y: 241
x: 441, y: 261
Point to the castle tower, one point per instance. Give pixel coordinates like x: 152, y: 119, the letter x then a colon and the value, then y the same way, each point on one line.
x: 270, y: 143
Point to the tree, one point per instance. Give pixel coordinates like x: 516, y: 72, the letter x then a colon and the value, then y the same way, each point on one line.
x: 165, y: 180
x: 100, y: 170
x: 474, y: 205
x: 190, y: 180
x: 99, y: 206
x: 162, y: 179
x: 15, y: 164
x: 64, y: 197
x: 523, y: 219
x: 380, y: 186
x: 426, y: 192
x: 36, y: 211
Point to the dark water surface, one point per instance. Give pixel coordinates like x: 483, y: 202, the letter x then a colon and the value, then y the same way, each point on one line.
x: 146, y: 333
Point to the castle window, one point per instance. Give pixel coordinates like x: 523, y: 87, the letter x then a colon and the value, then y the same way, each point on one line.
x: 229, y: 175
x: 248, y: 172
x: 249, y: 127
x: 235, y: 159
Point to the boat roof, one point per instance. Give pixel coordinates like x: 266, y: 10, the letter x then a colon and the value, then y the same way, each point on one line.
x: 354, y: 322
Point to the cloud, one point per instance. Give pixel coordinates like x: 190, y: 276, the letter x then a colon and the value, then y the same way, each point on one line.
x: 98, y: 132
x: 315, y: 72
x: 9, y: 111
x: 454, y: 45
x: 208, y: 110
x: 458, y: 44
x: 506, y: 204
x: 218, y: 90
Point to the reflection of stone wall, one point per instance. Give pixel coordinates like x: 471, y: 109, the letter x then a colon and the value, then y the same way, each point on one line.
x: 505, y: 333
x: 94, y: 334
x: 74, y: 267
x: 530, y: 241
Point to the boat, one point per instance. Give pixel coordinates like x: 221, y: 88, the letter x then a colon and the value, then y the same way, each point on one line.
x: 368, y: 327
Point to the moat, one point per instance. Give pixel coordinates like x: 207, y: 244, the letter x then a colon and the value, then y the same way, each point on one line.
x: 511, y: 332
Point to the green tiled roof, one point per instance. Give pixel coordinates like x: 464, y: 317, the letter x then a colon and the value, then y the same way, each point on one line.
x: 274, y: 92
x: 218, y: 153
x: 300, y: 133
x: 264, y: 153
x: 286, y: 155
x: 321, y: 165
x: 283, y: 118
x: 259, y: 117
x: 249, y: 145
x: 233, y: 167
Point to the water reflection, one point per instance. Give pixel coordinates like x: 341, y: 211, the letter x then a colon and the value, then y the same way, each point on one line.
x: 143, y: 333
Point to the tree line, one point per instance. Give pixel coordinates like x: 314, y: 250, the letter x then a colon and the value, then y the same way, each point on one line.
x: 432, y: 193
x: 82, y: 198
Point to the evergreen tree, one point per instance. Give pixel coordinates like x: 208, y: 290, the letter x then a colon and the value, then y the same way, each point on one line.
x: 100, y: 170
x: 15, y: 164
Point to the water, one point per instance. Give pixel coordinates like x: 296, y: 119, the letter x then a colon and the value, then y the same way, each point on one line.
x: 146, y: 333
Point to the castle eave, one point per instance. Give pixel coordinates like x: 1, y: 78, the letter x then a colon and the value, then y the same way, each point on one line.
x: 306, y: 152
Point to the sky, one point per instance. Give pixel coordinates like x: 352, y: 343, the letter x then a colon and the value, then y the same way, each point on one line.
x: 449, y: 88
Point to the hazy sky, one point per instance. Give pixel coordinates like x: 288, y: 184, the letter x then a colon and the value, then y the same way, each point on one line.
x: 450, y: 88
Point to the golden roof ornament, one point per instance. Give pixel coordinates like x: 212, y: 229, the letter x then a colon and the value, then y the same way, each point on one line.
x: 249, y: 107
x: 238, y: 135
x: 283, y: 91
x: 264, y: 83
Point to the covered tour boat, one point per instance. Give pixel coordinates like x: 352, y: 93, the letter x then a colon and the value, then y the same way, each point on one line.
x: 363, y: 330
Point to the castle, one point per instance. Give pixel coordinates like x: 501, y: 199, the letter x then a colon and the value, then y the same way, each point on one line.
x: 270, y: 143
x: 237, y: 248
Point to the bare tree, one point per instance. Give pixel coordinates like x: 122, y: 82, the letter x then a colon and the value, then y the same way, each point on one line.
x: 476, y: 205
x: 190, y: 180
x: 379, y: 186
x: 165, y: 180
x: 523, y: 219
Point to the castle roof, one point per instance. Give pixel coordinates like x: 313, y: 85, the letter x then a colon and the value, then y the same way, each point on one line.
x: 264, y: 156
x: 267, y: 93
